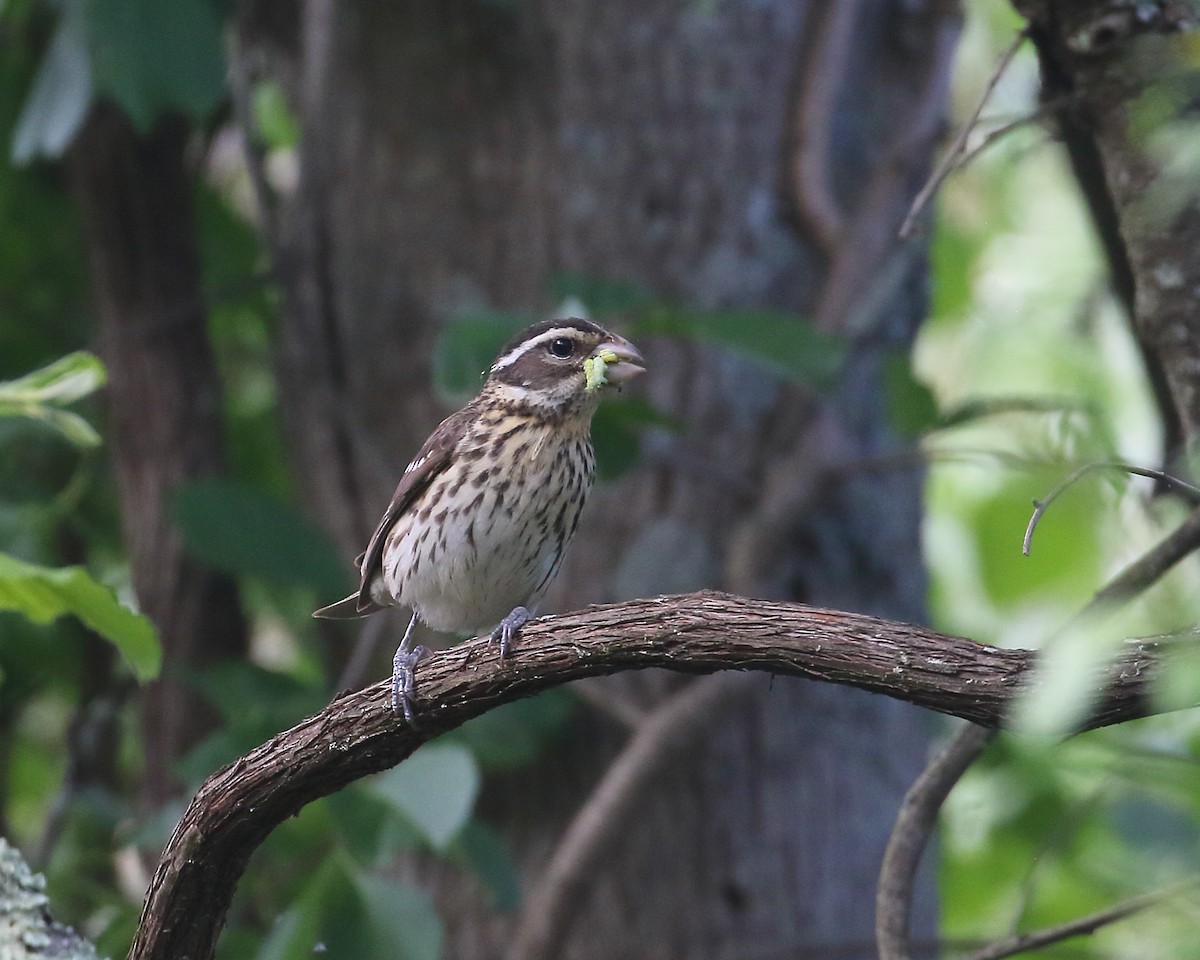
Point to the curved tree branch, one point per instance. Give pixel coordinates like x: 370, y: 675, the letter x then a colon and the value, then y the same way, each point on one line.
x: 357, y: 734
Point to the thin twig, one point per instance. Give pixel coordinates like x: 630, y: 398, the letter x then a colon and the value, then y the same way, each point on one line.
x: 1190, y: 493
x: 1146, y: 570
x: 1081, y: 926
x: 675, y: 725
x: 1042, y: 111
x: 910, y: 836
x: 947, y: 163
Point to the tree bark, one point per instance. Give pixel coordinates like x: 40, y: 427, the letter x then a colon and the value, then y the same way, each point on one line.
x: 135, y: 199
x: 457, y: 155
x: 357, y: 734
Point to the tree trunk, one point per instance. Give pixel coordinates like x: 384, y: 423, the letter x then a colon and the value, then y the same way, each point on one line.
x: 135, y: 201
x: 455, y: 156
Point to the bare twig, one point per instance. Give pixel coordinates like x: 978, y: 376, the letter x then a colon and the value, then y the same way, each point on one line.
x: 951, y: 157
x: 910, y: 836
x: 1190, y: 493
x: 1145, y: 571
x: 674, y: 726
x: 1043, y: 110
x: 1081, y: 926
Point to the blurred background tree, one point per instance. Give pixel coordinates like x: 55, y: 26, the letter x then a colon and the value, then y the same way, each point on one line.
x: 295, y: 234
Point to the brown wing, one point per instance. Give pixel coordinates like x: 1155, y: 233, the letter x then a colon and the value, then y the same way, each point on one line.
x: 433, y: 457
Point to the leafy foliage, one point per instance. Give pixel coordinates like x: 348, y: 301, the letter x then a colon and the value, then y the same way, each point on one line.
x: 44, y: 594
x: 43, y: 394
x: 150, y: 58
x: 233, y: 527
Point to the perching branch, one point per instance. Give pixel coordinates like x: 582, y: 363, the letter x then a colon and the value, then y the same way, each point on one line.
x: 357, y: 734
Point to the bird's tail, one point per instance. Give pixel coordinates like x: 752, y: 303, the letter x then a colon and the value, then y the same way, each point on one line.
x: 350, y: 608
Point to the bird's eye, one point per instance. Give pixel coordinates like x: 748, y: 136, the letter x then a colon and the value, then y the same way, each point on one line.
x: 562, y: 347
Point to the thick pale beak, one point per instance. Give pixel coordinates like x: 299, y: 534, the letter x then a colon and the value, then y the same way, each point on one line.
x: 622, y: 361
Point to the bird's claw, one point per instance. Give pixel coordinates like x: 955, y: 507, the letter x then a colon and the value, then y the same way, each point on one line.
x: 507, y: 629
x: 403, y: 680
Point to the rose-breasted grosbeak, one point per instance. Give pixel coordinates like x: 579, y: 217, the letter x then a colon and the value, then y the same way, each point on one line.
x: 479, y: 522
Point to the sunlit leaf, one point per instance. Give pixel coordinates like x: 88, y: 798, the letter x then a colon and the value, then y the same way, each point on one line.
x: 274, y: 118
x: 43, y: 594
x: 1068, y: 676
x: 434, y: 789
x: 41, y: 394
x: 64, y: 381
x: 233, y: 527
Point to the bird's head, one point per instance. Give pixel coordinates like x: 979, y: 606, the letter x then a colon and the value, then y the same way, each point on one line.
x: 562, y: 367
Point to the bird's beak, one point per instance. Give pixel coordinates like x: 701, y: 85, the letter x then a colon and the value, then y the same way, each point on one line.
x: 621, y: 360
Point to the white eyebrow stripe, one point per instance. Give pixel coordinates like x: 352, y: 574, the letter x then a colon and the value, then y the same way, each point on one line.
x: 521, y: 349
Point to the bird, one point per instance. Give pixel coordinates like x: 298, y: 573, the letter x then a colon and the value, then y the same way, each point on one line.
x: 482, y: 515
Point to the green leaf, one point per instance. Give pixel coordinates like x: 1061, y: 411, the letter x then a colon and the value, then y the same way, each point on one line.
x: 616, y: 429
x: 44, y: 594
x: 434, y: 789
x: 153, y: 57
x: 911, y: 406
x: 467, y: 347
x: 513, y: 735
x: 369, y: 827
x: 61, y: 93
x: 233, y: 527
x: 1069, y: 676
x: 403, y: 922
x: 602, y: 297
x: 64, y: 381
x: 785, y: 344
x: 39, y: 396
x: 345, y: 913
x: 485, y: 852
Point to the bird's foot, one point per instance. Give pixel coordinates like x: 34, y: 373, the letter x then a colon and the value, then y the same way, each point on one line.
x: 403, y: 680
x: 507, y: 629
